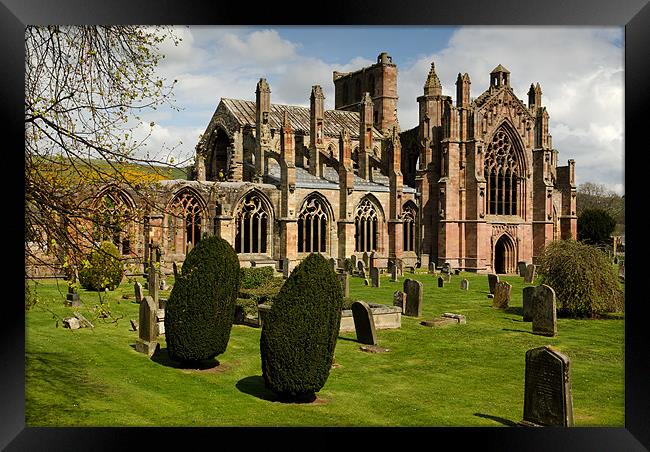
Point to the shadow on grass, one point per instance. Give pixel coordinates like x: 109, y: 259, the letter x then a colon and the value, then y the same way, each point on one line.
x: 161, y: 356
x: 500, y: 420
x: 517, y: 331
x: 518, y: 310
x: 341, y: 338
x: 254, y: 385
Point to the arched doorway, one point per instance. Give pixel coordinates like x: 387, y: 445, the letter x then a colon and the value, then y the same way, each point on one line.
x: 504, y: 255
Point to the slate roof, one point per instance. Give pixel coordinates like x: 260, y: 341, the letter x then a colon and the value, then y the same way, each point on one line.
x: 244, y: 112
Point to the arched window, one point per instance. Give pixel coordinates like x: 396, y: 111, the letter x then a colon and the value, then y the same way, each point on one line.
x: 408, y: 217
x: 184, y: 221
x: 312, y: 226
x: 366, y: 224
x: 252, y: 223
x: 503, y: 175
x: 113, y: 220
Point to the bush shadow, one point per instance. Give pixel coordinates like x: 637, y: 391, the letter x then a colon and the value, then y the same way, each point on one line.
x: 254, y: 385
x: 500, y: 420
x: 161, y: 356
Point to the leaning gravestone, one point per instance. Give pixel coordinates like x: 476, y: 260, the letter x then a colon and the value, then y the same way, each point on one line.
x: 399, y: 300
x: 147, y: 328
x: 344, y: 279
x: 364, y: 323
x: 548, y: 399
x: 501, y: 298
x: 72, y: 297
x: 413, y: 291
x: 374, y: 276
x: 530, y: 274
x: 521, y: 268
x: 441, y: 281
x: 137, y: 287
x: 464, y: 284
x: 528, y: 303
x: 493, y: 279
x: 544, y: 313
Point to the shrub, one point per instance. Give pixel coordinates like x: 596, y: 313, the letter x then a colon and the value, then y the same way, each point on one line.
x: 348, y: 266
x: 299, y: 336
x: 201, y: 306
x: 264, y: 293
x: 103, y: 268
x: 583, y: 278
x: 255, y: 276
x: 595, y: 226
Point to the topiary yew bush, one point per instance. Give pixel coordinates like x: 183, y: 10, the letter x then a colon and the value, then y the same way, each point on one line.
x: 583, y: 278
x: 299, y: 334
x: 103, y: 268
x: 200, y: 310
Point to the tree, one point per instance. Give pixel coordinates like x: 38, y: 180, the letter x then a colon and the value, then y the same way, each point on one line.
x: 591, y: 195
x: 85, y: 89
x: 595, y: 227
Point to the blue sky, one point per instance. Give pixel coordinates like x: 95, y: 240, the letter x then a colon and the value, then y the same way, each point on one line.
x: 580, y: 70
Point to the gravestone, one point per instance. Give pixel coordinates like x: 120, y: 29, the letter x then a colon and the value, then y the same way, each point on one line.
x: 528, y: 303
x: 464, y: 284
x: 72, y: 297
x: 501, y: 298
x: 432, y: 268
x: 374, y: 276
x: 344, y: 279
x: 399, y: 300
x: 413, y: 291
x: 163, y: 284
x: 456, y: 271
x: 548, y: 399
x: 393, y: 273
x: 493, y: 279
x: 364, y: 323
x: 353, y: 258
x: 137, y: 287
x: 366, y: 260
x: 530, y: 274
x: 372, y: 262
x: 446, y: 267
x: 160, y: 322
x: 459, y: 317
x: 147, y: 328
x: 333, y: 263
x: 154, y: 284
x: 441, y: 281
x: 362, y: 273
x: 544, y: 313
x: 361, y: 267
x: 400, y: 267
x: 71, y: 322
x: 521, y: 268
x: 83, y: 322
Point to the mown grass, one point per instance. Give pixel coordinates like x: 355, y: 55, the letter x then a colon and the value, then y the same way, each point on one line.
x: 461, y: 375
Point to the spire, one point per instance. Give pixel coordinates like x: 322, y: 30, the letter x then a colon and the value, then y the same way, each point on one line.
x: 535, y: 96
x: 432, y: 86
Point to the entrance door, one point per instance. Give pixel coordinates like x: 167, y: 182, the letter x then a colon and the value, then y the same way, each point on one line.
x: 504, y: 255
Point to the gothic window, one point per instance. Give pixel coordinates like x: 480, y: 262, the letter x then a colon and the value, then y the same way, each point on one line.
x: 408, y: 217
x: 504, y: 176
x: 113, y: 220
x: 184, y: 221
x: 252, y: 223
x: 366, y: 223
x: 312, y: 226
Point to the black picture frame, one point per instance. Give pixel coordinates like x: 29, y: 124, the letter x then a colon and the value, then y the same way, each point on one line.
x: 634, y: 15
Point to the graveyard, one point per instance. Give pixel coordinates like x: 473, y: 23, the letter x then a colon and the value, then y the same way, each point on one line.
x: 458, y: 359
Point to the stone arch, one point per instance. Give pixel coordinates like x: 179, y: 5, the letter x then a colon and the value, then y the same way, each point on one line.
x: 218, y: 155
x: 114, y: 218
x: 186, y: 219
x: 409, y: 226
x: 368, y: 221
x: 504, y: 254
x: 253, y: 217
x: 314, y: 220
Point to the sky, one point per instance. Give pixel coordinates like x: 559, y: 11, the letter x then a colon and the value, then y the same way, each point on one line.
x: 580, y: 71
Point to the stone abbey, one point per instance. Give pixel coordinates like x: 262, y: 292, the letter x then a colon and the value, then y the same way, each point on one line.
x: 475, y: 184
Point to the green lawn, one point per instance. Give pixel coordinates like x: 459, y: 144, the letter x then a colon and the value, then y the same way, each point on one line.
x: 461, y: 375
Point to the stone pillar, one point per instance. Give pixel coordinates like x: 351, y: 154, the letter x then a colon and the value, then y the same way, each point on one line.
x: 345, y: 221
x: 262, y: 125
x: 316, y: 129
x: 365, y: 136
x: 395, y: 223
x: 288, y: 220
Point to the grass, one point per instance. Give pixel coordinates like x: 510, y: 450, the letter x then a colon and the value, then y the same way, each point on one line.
x: 461, y: 375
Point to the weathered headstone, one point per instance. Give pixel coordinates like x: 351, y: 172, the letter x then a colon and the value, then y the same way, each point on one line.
x: 530, y: 274
x: 527, y: 298
x: 521, y: 268
x: 137, y: 287
x: 360, y: 266
x: 501, y: 298
x: 366, y: 260
x: 441, y: 281
x: 364, y: 323
x: 353, y: 258
x: 493, y: 279
x: 146, y: 342
x: 399, y: 300
x: 464, y: 284
x: 413, y: 291
x: 393, y: 273
x: 544, y: 313
x: 432, y: 268
x: 446, y: 267
x: 160, y: 322
x: 72, y: 297
x: 548, y: 399
x: 362, y: 273
x: 374, y: 276
x: 71, y: 322
x: 456, y: 271
x: 344, y: 279
x: 400, y: 267
x: 459, y: 317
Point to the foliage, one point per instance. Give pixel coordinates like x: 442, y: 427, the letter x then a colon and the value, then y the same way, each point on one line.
x: 264, y: 293
x: 583, y: 278
x: 348, y: 267
x: 201, y: 306
x: 247, y: 307
x: 590, y: 195
x: 252, y: 277
x: 595, y: 227
x: 102, y: 269
x: 299, y: 337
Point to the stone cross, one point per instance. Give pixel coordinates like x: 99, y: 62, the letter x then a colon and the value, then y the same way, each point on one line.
x: 399, y: 300
x: 344, y: 279
x: 501, y: 295
x: 364, y: 323
x: 544, y: 313
x: 521, y: 268
x: 548, y: 399
x: 147, y: 327
x: 138, y: 292
x: 441, y: 281
x: 493, y: 279
x: 464, y: 284
x: 413, y: 291
x: 374, y: 276
x: 530, y: 274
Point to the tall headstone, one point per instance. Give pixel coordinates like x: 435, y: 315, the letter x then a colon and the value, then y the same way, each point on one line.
x: 353, y: 258
x: 344, y: 279
x: 493, y: 279
x: 361, y: 267
x: 441, y: 281
x: 147, y: 328
x: 521, y: 268
x: 464, y: 284
x: 400, y: 267
x: 374, y: 276
x: 393, y: 273
x: 413, y: 291
x: 530, y: 274
x: 137, y: 287
x: 501, y: 298
x: 399, y: 300
x: 72, y: 297
x: 527, y: 300
x: 432, y: 268
x: 544, y: 313
x: 548, y: 398
x: 154, y: 284
x: 364, y: 323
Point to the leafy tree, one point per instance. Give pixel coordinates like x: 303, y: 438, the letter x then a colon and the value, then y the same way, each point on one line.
x: 595, y: 226
x: 86, y: 88
x: 597, y: 196
x: 103, y: 269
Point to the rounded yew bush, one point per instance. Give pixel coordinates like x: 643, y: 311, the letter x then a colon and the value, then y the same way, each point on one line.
x: 200, y: 310
x: 584, y: 280
x: 103, y: 268
x: 299, y: 334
